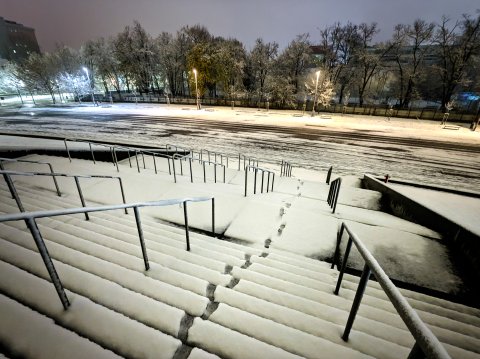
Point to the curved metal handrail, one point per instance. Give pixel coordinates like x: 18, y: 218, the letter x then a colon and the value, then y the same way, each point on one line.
x: 2, y: 159
x: 30, y: 220
x: 14, y: 193
x: 425, y: 341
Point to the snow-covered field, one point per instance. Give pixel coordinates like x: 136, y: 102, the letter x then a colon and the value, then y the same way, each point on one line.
x: 408, y: 149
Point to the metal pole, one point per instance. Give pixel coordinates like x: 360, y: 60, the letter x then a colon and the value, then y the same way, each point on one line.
x: 115, y: 157
x: 213, y: 217
x: 337, y: 194
x: 54, y: 180
x: 185, y: 216
x: 239, y: 160
x: 140, y: 235
x: 263, y: 173
x: 13, y: 191
x: 255, y: 182
x: 181, y: 166
x: 154, y: 163
x: 246, y: 175
x: 337, y: 247
x: 136, y: 157
x: 91, y: 151
x: 344, y: 265
x: 191, y: 173
x: 47, y: 260
x: 111, y: 153
x: 362, y: 285
x: 68, y: 152
x: 223, y: 174
x: 329, y: 174
x: 123, y: 193
x: 129, y: 159
x: 204, y: 174
x: 416, y: 352
x: 169, y: 170
x: 174, y: 171
x: 77, y: 182
x: 215, y: 172
x: 143, y: 158
x: 268, y: 181
x: 273, y: 180
x: 281, y: 169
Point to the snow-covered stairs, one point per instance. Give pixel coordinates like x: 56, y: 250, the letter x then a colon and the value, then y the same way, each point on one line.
x: 221, y: 298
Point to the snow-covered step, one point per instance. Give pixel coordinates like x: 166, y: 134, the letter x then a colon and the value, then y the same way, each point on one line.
x: 439, y: 324
x: 29, y: 334
x: 132, y: 262
x: 228, y: 343
x: 307, y: 323
x: 279, y: 335
x: 111, y: 330
x: 201, y: 354
x: 325, y: 312
x: 175, y: 296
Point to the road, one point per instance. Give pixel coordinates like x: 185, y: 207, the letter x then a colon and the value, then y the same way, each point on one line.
x: 403, y: 155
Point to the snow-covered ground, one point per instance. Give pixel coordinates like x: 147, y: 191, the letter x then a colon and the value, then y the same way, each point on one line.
x: 408, y: 149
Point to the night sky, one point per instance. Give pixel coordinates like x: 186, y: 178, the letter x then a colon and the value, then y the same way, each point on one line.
x: 72, y: 22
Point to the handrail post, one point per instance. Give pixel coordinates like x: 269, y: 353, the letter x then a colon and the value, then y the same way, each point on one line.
x: 143, y: 158
x: 362, y: 285
x: 246, y: 179
x: 329, y: 174
x: 273, y: 180
x: 77, y: 182
x: 336, y: 194
x: 268, y: 181
x: 204, y: 174
x: 91, y: 151
x: 111, y: 154
x: 174, y: 171
x: 68, y: 152
x: 136, y: 157
x: 224, y: 173
x: 181, y: 166
x: 239, y: 159
x: 255, y: 181
x: 191, y: 173
x: 263, y: 175
x: 13, y: 191
x: 344, y: 265
x: 54, y: 180
x: 213, y: 217
x: 115, y: 157
x: 337, y: 247
x: 185, y: 216
x: 140, y: 235
x: 47, y: 260
x: 169, y: 169
x: 129, y: 159
x: 215, y: 172
x: 281, y: 168
x: 123, y: 193
x: 154, y: 163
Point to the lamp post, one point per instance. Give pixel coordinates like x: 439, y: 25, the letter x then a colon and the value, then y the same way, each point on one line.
x: 315, y: 97
x: 89, y: 82
x: 196, y: 88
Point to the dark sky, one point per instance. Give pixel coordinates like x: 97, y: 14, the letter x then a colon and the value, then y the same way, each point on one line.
x: 72, y: 22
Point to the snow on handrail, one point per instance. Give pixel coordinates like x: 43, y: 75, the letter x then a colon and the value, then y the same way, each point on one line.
x: 263, y: 170
x: 426, y: 342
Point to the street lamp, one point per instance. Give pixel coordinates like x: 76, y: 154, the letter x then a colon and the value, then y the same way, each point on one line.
x: 91, y: 87
x: 196, y: 88
x: 315, y: 97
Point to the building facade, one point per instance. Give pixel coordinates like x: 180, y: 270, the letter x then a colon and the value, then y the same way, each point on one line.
x: 16, y: 41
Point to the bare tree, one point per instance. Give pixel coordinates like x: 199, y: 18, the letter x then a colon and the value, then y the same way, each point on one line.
x: 457, y: 47
x: 261, y: 60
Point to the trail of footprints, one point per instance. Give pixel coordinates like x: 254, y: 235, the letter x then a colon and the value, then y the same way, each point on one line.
x: 283, y: 212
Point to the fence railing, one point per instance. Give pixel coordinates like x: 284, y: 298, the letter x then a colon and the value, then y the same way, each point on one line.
x: 329, y: 174
x: 286, y: 169
x: 36, y: 162
x: 426, y: 343
x: 263, y: 171
x: 30, y: 220
x: 13, y: 191
x: 333, y: 193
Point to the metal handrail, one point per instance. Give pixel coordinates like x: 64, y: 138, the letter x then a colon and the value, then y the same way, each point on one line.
x: 426, y: 343
x: 263, y: 170
x: 333, y: 193
x: 2, y: 159
x: 184, y: 158
x: 329, y: 174
x: 286, y: 169
x: 14, y: 193
x: 30, y: 220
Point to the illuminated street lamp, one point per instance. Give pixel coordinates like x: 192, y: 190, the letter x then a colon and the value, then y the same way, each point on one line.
x: 91, y: 87
x: 315, y: 97
x: 196, y: 88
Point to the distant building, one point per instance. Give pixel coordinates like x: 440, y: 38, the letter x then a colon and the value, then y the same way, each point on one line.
x: 16, y: 41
